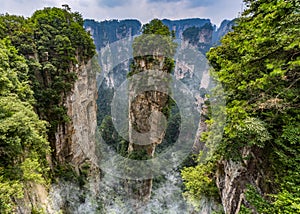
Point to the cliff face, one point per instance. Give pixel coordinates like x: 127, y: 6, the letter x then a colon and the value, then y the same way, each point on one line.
x: 75, y: 141
x: 107, y: 32
x: 76, y: 146
x: 179, y: 26
x: 233, y: 178
x: 197, y: 32
x: 225, y: 27
x: 199, y: 37
x: 191, y: 69
x: 148, y: 101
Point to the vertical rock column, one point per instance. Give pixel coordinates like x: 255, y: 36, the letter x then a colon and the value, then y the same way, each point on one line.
x: 146, y: 120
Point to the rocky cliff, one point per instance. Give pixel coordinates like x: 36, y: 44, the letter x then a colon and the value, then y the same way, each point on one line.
x: 75, y: 141
x: 107, y: 32
x: 108, y: 36
x: 199, y: 37
x: 196, y: 36
x: 234, y: 177
x: 146, y: 118
x: 225, y: 27
x: 76, y: 147
x: 179, y: 26
x: 76, y: 170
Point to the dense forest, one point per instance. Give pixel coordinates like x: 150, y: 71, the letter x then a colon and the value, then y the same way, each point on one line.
x: 37, y: 59
x: 258, y: 65
x: 254, y: 167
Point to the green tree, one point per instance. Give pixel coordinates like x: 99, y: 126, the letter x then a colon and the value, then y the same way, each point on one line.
x: 23, y: 143
x: 258, y: 65
x: 39, y: 57
x: 62, y: 43
x: 53, y: 41
x: 156, y: 41
x: 156, y: 26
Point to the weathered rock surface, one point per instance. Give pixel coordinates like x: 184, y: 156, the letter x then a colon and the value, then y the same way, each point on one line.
x: 76, y: 146
x: 234, y: 176
x: 75, y: 141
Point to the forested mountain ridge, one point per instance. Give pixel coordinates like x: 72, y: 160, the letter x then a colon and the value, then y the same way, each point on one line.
x: 179, y: 26
x: 109, y: 31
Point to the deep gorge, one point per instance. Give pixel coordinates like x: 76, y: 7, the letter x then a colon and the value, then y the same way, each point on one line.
x: 92, y: 112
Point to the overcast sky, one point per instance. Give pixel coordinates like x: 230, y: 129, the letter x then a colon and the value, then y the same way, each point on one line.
x: 144, y: 10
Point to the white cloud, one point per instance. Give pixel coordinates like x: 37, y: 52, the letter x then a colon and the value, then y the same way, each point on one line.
x: 144, y: 10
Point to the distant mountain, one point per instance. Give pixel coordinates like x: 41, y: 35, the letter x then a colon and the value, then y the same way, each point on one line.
x: 106, y: 32
x: 179, y: 26
x: 225, y: 27
x: 196, y: 31
x: 191, y: 70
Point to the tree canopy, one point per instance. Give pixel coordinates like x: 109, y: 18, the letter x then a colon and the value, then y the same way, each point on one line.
x: 156, y: 26
x: 258, y: 66
x: 53, y: 41
x: 38, y: 58
x: 23, y: 140
x: 156, y: 41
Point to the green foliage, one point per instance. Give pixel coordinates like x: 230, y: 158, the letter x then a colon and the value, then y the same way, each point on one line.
x: 19, y: 32
x: 38, y: 60
x: 154, y: 45
x: 156, y: 26
x: 171, y: 112
x: 65, y: 172
x: 139, y: 155
x: 62, y: 43
x: 23, y: 144
x: 199, y: 181
x: 284, y: 202
x: 32, y: 170
x: 13, y: 71
x: 52, y: 22
x: 9, y: 190
x: 248, y: 132
x: 259, y: 203
x: 54, y: 42
x: 258, y: 66
x: 150, y: 45
x: 36, y: 210
x: 111, y: 136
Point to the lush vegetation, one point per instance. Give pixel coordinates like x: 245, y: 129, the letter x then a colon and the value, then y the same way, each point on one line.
x: 38, y: 60
x: 156, y: 37
x: 156, y: 41
x: 53, y: 42
x: 61, y: 44
x: 258, y: 65
x: 23, y: 140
